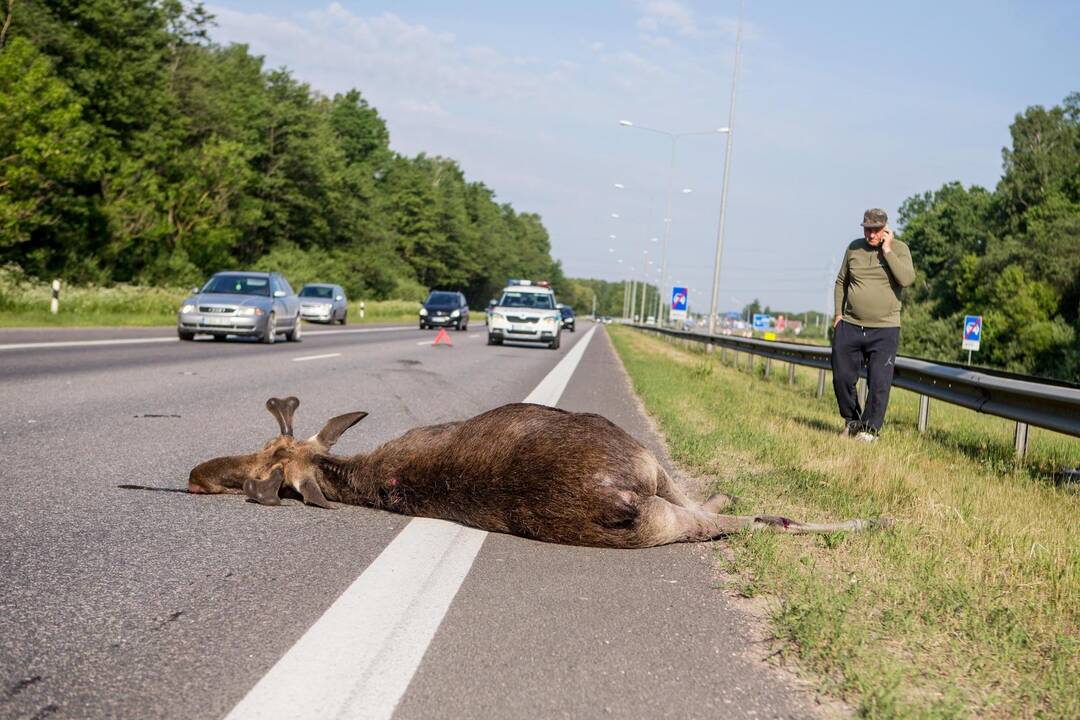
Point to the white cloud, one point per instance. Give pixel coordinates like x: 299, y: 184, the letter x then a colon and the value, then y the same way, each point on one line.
x: 388, y: 58
x: 658, y: 15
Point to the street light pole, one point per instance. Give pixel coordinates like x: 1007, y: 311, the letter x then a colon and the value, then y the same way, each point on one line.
x: 674, y: 137
x: 727, y: 172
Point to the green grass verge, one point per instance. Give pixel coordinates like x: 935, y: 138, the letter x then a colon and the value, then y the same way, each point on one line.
x: 968, y: 607
x: 25, y: 304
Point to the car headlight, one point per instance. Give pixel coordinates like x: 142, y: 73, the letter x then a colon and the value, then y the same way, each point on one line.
x: 250, y: 311
x: 187, y: 308
x: 423, y: 312
x: 497, y: 316
x: 549, y: 319
x: 456, y: 313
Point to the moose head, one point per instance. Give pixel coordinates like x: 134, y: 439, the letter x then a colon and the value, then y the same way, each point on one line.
x: 283, y: 461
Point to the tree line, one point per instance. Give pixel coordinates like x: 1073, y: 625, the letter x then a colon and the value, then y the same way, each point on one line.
x: 135, y: 149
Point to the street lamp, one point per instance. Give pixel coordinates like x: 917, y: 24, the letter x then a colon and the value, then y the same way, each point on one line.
x: 727, y: 172
x: 674, y: 138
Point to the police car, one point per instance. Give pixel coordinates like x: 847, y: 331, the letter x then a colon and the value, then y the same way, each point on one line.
x: 525, y: 312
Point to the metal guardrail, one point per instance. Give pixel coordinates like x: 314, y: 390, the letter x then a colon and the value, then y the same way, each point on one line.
x: 1051, y: 405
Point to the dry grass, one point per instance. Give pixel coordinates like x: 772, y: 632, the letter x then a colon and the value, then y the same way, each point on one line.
x: 968, y: 607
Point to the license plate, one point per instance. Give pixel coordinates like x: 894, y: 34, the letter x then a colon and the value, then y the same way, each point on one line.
x: 522, y: 328
x: 217, y: 321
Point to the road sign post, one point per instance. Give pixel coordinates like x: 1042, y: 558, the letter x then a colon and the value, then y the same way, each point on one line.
x: 972, y: 334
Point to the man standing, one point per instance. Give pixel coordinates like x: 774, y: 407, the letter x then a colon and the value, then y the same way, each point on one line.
x: 876, y: 268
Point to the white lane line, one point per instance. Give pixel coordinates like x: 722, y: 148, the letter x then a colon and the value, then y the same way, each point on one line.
x: 78, y: 343
x: 358, y: 659
x: 139, y: 341
x: 474, y: 335
x: 316, y: 357
x: 425, y: 342
x: 551, y: 387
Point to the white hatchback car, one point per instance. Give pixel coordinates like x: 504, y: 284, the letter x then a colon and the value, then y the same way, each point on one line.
x: 525, y: 312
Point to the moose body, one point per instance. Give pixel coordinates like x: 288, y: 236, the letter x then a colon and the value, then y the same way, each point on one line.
x: 528, y: 470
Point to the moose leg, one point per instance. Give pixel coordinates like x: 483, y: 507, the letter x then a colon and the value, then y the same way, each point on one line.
x: 667, y: 489
x: 660, y: 522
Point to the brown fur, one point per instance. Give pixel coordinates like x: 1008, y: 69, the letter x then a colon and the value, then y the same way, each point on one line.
x: 529, y: 470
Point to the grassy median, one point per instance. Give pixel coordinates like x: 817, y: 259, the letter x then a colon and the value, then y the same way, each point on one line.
x: 968, y: 607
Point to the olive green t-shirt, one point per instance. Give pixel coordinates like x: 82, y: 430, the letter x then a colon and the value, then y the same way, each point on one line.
x: 868, y: 286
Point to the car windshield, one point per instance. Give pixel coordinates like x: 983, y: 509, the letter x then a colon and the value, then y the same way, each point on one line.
x: 566, y: 312
x: 317, y: 292
x: 238, y: 285
x: 540, y: 301
x: 442, y: 298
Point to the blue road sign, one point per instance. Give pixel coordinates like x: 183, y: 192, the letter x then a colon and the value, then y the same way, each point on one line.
x: 762, y: 321
x: 678, y: 303
x: 678, y: 298
x: 972, y: 332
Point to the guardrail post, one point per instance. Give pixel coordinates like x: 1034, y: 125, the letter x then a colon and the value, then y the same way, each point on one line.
x: 791, y: 373
x: 735, y: 358
x: 924, y: 412
x: 821, y: 382
x: 768, y: 367
x: 750, y: 362
x: 1020, y: 439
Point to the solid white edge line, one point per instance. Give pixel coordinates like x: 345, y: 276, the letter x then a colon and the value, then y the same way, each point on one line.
x: 315, y: 357
x: 137, y: 341
x: 357, y: 660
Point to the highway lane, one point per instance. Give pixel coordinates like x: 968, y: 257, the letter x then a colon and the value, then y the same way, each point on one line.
x: 78, y: 350
x: 153, y: 603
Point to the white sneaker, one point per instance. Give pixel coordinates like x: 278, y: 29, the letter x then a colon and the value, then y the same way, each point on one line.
x: 866, y: 437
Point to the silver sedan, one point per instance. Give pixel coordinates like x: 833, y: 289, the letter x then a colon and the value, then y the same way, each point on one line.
x: 252, y: 304
x: 321, y: 302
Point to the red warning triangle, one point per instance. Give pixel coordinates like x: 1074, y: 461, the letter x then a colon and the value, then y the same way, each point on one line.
x: 443, y: 336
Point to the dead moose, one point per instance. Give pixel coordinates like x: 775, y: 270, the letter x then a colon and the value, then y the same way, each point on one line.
x: 528, y: 470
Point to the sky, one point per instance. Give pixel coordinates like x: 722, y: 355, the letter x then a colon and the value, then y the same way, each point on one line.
x: 840, y: 106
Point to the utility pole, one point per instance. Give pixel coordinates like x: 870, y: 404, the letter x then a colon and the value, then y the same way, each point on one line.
x: 727, y: 173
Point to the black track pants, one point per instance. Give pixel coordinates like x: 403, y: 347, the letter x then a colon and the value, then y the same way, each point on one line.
x: 875, y: 348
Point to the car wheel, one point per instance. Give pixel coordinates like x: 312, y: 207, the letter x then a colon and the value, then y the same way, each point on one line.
x: 218, y: 338
x: 270, y: 333
x: 185, y: 335
x: 344, y: 316
x: 297, y: 333
x: 555, y: 343
x: 492, y: 340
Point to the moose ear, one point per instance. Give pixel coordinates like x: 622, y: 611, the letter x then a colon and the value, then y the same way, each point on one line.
x: 265, y: 492
x: 336, y: 426
x: 283, y: 410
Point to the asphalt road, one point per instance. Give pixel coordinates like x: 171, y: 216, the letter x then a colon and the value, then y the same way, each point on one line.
x: 152, y: 603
